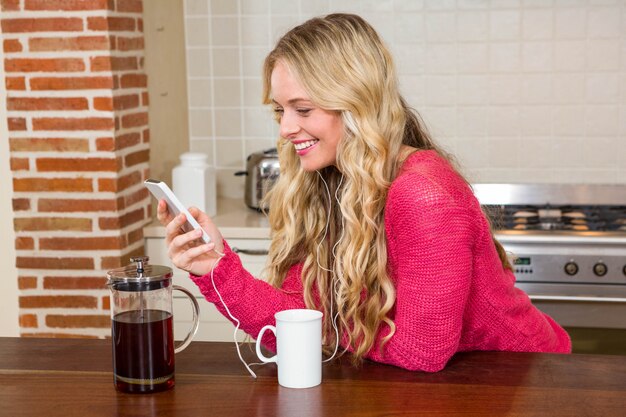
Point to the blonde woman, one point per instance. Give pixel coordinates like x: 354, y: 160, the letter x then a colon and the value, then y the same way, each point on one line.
x: 371, y: 224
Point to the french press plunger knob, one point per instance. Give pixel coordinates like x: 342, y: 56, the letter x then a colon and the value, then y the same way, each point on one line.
x: 140, y: 261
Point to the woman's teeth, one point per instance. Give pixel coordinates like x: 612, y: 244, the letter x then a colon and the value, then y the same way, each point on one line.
x: 304, y: 145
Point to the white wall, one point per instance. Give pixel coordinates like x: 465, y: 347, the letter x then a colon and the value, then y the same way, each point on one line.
x: 518, y: 90
x: 9, y: 325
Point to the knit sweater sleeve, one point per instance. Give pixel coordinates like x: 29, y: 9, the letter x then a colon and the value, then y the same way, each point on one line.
x: 430, y: 235
x: 250, y: 300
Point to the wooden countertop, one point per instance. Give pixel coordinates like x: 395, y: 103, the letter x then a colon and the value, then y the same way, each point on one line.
x: 73, y: 377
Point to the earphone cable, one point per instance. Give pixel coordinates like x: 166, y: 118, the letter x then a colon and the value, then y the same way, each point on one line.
x: 221, y: 255
x: 333, y: 287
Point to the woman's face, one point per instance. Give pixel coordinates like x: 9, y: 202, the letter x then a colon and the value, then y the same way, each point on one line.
x: 313, y: 132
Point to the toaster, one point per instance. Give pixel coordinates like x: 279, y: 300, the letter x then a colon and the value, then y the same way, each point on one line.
x: 262, y: 171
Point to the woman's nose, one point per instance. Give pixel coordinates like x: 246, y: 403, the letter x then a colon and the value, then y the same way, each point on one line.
x: 288, y: 125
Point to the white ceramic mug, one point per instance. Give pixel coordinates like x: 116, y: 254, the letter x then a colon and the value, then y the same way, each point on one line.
x: 298, y: 347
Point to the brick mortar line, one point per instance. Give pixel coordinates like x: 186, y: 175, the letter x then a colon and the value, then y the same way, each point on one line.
x: 81, y: 14
x: 62, y: 234
x: 51, y: 134
x: 93, y: 215
x: 72, y: 175
x: 115, y: 53
x: 78, y: 194
x: 70, y: 291
x: 61, y: 310
x: 104, y: 174
x: 63, y: 33
x: 28, y: 76
x: 71, y: 134
x: 65, y: 292
x: 50, y: 34
x: 85, y: 160
x: 57, y: 253
x: 61, y: 114
x: 78, y: 214
x: 70, y: 253
x: 100, y: 332
x: 86, y: 93
x: 68, y: 234
x: 131, y: 227
x: 43, y: 113
x: 35, y: 234
x: 34, y: 154
x: 75, y: 114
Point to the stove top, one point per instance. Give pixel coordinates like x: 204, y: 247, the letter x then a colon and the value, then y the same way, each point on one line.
x: 559, y: 209
x: 577, y: 218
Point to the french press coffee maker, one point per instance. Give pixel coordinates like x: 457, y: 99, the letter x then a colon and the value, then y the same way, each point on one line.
x: 142, y: 326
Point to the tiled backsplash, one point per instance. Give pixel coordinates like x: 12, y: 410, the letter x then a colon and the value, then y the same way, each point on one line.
x: 518, y: 90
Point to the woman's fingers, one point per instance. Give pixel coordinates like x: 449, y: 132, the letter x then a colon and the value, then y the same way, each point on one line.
x: 186, y: 249
x: 201, y: 217
x: 207, y: 224
x: 185, y: 259
x: 183, y: 241
x: 195, y: 212
x: 174, y: 227
x: 163, y: 214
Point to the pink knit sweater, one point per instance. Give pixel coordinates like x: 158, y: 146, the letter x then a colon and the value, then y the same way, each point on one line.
x: 452, y: 292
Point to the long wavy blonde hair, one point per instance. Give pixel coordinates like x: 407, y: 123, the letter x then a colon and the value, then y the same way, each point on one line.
x: 344, y: 66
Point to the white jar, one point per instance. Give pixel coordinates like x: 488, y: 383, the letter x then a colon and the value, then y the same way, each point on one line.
x: 193, y: 182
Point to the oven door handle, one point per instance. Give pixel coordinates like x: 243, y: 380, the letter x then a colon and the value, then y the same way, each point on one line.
x: 576, y: 298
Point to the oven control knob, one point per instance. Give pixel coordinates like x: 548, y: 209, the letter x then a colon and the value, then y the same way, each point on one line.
x: 600, y: 269
x: 571, y: 268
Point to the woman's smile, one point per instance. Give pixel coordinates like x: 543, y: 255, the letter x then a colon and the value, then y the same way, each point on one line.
x: 303, y: 147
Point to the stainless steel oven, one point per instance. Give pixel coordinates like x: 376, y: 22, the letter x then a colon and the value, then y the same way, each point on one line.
x: 568, y: 246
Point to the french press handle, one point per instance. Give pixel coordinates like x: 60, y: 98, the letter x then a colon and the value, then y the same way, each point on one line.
x: 196, y: 318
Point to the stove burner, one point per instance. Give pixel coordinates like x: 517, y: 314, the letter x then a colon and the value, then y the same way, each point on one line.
x: 557, y: 218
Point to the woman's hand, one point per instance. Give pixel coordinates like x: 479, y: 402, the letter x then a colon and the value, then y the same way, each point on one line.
x: 186, y: 249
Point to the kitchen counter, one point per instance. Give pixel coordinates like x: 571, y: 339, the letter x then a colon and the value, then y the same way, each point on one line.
x: 237, y: 221
x: 73, y: 377
x: 234, y: 218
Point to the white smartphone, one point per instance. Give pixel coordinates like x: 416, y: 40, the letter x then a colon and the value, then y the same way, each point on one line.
x: 161, y: 191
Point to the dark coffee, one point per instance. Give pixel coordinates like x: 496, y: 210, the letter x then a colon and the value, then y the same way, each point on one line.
x: 143, y: 351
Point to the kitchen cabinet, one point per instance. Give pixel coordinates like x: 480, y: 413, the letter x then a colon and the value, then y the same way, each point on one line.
x: 243, y: 229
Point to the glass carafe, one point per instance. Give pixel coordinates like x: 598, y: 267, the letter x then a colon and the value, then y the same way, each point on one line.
x: 142, y: 330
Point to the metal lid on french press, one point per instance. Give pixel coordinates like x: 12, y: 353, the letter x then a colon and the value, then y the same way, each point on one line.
x: 140, y: 276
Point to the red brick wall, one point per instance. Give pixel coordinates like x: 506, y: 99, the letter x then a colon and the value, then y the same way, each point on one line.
x: 77, y: 108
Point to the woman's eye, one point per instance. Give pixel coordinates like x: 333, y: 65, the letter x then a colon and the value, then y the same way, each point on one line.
x: 303, y: 112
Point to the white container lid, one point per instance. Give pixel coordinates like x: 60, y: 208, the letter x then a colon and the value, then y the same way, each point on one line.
x: 194, y: 159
